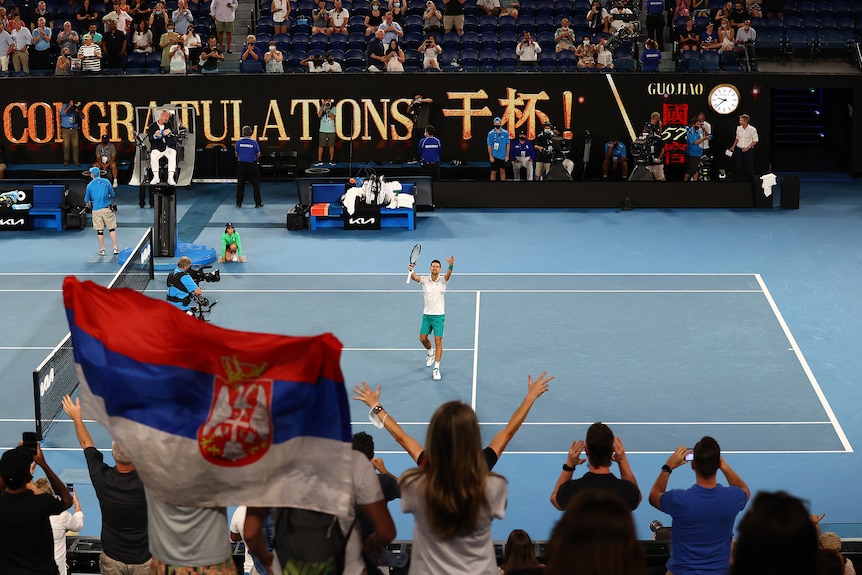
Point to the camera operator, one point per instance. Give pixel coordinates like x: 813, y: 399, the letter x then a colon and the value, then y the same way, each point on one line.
x: 694, y: 140
x: 745, y: 39
x: 654, y: 146
x: 326, y: 139
x: 163, y: 143
x: 70, y: 122
x: 419, y: 112
x: 181, y: 286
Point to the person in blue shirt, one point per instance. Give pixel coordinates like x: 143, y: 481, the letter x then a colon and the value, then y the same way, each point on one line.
x: 693, y: 149
x: 498, y: 149
x: 100, y: 198
x: 650, y: 57
x: 181, y: 286
x: 616, y: 158
x: 655, y: 21
x: 69, y: 124
x: 247, y: 169
x: 522, y: 155
x: 429, y: 153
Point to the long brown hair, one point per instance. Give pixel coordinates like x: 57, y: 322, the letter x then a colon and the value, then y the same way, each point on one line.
x: 519, y: 553
x: 454, y: 472
x: 596, y: 536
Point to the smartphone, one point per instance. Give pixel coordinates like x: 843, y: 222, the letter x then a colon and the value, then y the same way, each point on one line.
x: 689, y: 454
x: 29, y: 441
x: 70, y: 487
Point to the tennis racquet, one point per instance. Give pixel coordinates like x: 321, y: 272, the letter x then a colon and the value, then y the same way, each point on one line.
x: 414, y: 257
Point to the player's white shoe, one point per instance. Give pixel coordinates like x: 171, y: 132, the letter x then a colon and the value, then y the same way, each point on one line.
x: 429, y: 361
x: 435, y: 375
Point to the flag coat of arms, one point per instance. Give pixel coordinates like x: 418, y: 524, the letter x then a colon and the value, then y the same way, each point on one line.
x: 210, y: 416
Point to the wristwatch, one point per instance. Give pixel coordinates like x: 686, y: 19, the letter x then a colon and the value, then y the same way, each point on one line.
x: 567, y: 468
x: 377, y: 409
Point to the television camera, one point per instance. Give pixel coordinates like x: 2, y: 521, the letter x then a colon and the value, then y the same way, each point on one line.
x: 203, y: 305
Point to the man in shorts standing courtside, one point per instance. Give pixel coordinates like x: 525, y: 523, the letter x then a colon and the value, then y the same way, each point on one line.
x: 434, y: 314
x: 100, y: 197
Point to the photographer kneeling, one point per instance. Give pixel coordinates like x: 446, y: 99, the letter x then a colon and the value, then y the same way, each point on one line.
x: 181, y: 286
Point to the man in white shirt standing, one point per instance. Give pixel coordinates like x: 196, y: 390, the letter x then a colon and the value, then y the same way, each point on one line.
x: 746, y: 140
x: 434, y: 314
x: 224, y: 14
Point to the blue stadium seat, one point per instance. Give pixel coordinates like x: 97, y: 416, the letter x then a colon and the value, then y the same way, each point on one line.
x: 545, y: 23
x: 415, y: 7
x: 730, y: 61
x: 846, y: 24
x: 471, y: 24
x: 774, y: 23
x: 445, y: 58
x: 508, y: 60
x: 356, y: 24
x: 625, y: 63
x: 810, y: 23
x: 547, y: 62
x: 154, y: 64
x: 567, y: 61
x: 361, y: 8
x: 413, y: 23
x: 262, y: 38
x: 527, y: 8
x: 451, y: 41
x: 357, y: 41
x: 251, y: 66
x: 525, y: 24
x: 355, y: 59
x: 690, y: 60
x: 469, y: 59
x: 470, y: 41
x: 825, y: 8
x: 488, y: 60
x: 338, y: 41
x: 842, y: 9
x: 299, y: 41
x: 710, y: 61
x: 807, y: 8
x: 488, y: 24
x: 136, y: 63
x: 508, y: 40
x: 319, y: 41
x: 306, y: 8
x: 413, y: 40
x: 267, y: 29
x: 792, y: 23
x: 546, y: 40
x: 489, y: 41
x: 544, y: 8
x: 301, y: 25
x: 293, y: 58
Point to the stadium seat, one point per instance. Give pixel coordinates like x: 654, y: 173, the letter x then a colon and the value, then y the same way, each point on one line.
x: 319, y: 41
x: 527, y: 8
x: 488, y: 24
x: 828, y: 23
x: 567, y: 61
x: 413, y: 23
x: 356, y: 41
x: 299, y: 41
x: 544, y: 8
x: 413, y: 40
x: 251, y: 66
x: 338, y: 41
x: 792, y: 23
x: 625, y: 63
x: 545, y: 23
x: 506, y: 24
x: 445, y: 58
x: 451, y: 41
x: 355, y: 59
x: 262, y: 37
x: 489, y: 41
x: 525, y: 24
x: 356, y: 24
x: 710, y: 61
x: 547, y: 62
x: 361, y: 8
x: 136, y: 63
x: 508, y: 60
x: 690, y: 60
x: 471, y: 24
x: 488, y: 60
x: 508, y: 40
x: 469, y: 59
x: 469, y: 41
x: 546, y: 41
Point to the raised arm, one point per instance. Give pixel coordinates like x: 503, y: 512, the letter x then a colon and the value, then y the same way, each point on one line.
x: 371, y: 398
x: 573, y: 459
x: 451, y: 260
x: 414, y: 276
x: 534, y: 390
x: 733, y: 479
x: 625, y: 469
x: 75, y: 413
x: 676, y: 459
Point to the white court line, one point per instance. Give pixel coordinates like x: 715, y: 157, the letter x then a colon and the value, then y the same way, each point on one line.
x: 620, y: 423
x: 311, y: 290
x: 805, y: 367
x: 475, y: 352
x: 401, y: 349
x: 25, y: 347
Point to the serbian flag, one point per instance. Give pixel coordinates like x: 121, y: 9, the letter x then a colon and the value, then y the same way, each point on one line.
x: 210, y: 416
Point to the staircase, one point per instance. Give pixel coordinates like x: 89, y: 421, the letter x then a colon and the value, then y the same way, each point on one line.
x: 242, y: 26
x: 797, y: 117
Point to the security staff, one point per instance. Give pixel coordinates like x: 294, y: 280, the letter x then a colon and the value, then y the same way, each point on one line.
x: 498, y: 149
x: 655, y: 21
x: 181, y: 286
x: 247, y: 167
x: 429, y: 153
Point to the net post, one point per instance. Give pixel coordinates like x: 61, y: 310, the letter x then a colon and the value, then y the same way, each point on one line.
x: 152, y: 254
x: 37, y: 402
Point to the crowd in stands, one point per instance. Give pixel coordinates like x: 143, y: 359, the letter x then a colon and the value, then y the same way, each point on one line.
x: 453, y: 494
x: 45, y: 37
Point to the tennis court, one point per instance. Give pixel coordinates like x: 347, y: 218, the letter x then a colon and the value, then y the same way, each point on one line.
x: 733, y: 324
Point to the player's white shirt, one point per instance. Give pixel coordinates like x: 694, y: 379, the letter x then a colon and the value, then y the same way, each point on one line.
x: 435, y: 303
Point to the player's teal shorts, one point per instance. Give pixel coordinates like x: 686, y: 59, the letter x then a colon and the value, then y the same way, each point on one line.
x: 432, y: 323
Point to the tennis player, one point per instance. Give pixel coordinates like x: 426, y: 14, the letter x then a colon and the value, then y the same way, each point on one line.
x: 434, y: 314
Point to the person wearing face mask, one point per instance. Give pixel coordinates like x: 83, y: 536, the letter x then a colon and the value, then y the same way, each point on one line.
x: 544, y: 149
x: 745, y: 38
x: 159, y: 21
x: 432, y: 18
x: 331, y: 64
x: 64, y: 62
x: 250, y: 53
x: 604, y: 57
x: 166, y: 42
x: 320, y: 19
x: 374, y: 18
x: 615, y: 158
x: 398, y: 9
x: 650, y: 57
x: 453, y: 16
x: 597, y: 18
x: 430, y: 50
x: 586, y: 54
x: 273, y: 60
x: 726, y: 37
x: 429, y: 153
x: 498, y: 149
x: 314, y: 63
x: 522, y: 155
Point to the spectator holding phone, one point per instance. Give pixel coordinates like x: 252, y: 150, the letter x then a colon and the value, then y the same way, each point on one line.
x: 704, y: 514
x: 25, y: 514
x: 602, y: 449
x: 61, y: 523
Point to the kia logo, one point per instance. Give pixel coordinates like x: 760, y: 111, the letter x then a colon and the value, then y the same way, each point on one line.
x: 362, y: 221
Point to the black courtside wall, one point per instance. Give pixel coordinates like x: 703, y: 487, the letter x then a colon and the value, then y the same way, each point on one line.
x: 373, y: 109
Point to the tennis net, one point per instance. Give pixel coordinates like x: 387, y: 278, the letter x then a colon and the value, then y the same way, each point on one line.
x: 56, y: 377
